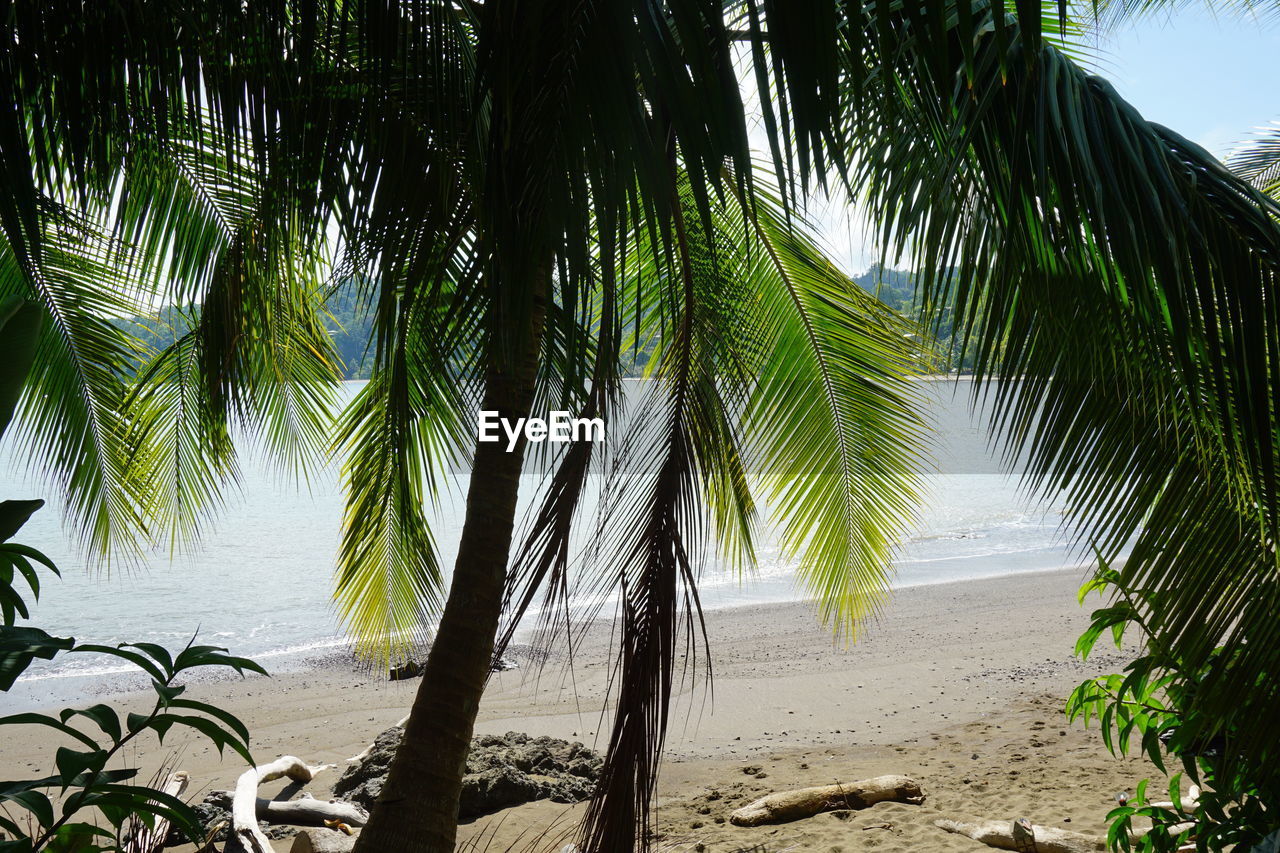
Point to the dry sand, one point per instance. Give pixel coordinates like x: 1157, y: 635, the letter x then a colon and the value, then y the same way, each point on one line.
x: 960, y: 686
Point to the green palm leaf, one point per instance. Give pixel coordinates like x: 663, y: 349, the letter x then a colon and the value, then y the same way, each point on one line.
x: 1114, y: 279
x: 70, y: 419
x: 770, y: 370
x: 1259, y: 162
x: 836, y: 428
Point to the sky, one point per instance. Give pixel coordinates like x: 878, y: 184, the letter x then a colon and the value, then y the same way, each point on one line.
x: 1214, y: 80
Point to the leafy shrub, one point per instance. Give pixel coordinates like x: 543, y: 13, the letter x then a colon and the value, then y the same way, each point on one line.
x: 92, y: 804
x: 1151, y: 708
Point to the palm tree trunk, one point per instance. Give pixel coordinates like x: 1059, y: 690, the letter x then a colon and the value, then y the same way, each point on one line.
x: 417, y: 811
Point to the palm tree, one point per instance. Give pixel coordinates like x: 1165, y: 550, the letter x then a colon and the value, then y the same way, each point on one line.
x: 593, y: 186
x: 516, y: 196
x: 527, y: 188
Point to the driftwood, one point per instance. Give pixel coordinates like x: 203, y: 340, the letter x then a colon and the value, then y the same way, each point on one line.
x: 806, y: 802
x: 245, y: 835
x: 1172, y: 829
x: 1000, y: 834
x: 308, y: 811
x: 323, y: 841
x: 1189, y: 802
x: 149, y: 840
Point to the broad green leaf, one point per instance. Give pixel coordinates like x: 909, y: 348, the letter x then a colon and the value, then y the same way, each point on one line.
x: 53, y: 781
x: 135, y: 722
x: 230, y: 720
x: 72, y: 764
x: 143, y: 662
x: 35, y: 802
x: 50, y: 722
x: 14, y: 514
x: 21, y: 645
x: 169, y: 692
x: 194, y: 656
x: 81, y: 837
x: 104, y: 715
x: 141, y: 799
x: 157, y: 653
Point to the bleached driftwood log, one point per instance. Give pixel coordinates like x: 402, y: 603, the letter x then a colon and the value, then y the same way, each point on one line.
x: 149, y: 840
x: 785, y: 806
x: 245, y: 835
x: 323, y: 841
x: 999, y: 834
x: 1189, y: 802
x: 368, y: 749
x: 308, y: 811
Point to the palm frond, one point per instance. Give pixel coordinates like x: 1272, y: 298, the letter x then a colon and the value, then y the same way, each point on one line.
x: 838, y: 434
x: 389, y: 584
x: 770, y: 370
x: 71, y: 421
x: 183, y: 452
x: 1109, y: 14
x: 1117, y: 283
x: 1259, y: 162
x: 659, y: 532
x: 404, y: 428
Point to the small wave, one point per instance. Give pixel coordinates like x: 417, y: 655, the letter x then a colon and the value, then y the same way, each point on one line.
x: 977, y: 555
x: 983, y: 576
x: 84, y: 667
x: 301, y: 648
x: 949, y: 537
x: 73, y: 671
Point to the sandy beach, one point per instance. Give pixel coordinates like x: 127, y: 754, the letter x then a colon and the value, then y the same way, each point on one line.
x: 960, y: 686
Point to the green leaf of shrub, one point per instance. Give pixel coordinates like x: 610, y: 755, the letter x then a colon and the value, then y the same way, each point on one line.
x: 20, y: 646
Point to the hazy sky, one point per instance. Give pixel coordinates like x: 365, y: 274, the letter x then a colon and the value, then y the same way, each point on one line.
x: 1214, y: 80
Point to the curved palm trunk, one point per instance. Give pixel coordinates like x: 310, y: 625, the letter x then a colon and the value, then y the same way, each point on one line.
x: 417, y: 811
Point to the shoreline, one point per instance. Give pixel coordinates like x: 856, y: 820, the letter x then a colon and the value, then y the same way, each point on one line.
x: 975, y: 668
x: 61, y: 687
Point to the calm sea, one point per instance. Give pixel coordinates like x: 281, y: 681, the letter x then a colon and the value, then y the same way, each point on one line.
x: 260, y: 582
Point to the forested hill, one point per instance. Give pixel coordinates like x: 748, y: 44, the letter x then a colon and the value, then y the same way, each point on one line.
x: 351, y: 329
x: 352, y: 326
x: 897, y: 289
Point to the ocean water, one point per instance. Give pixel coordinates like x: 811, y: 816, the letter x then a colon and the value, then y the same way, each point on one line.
x: 260, y: 582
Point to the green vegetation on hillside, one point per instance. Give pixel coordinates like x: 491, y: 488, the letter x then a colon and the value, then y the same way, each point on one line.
x: 347, y: 320
x: 350, y: 322
x: 899, y: 289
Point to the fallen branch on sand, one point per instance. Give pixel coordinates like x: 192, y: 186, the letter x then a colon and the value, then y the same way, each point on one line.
x: 309, y: 811
x: 786, y: 806
x: 245, y: 835
x: 1000, y: 834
